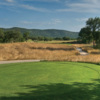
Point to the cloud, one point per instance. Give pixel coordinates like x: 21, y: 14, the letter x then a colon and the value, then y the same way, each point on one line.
x: 92, y: 1
x: 49, y: 0
x: 10, y: 1
x: 43, y: 0
x: 81, y: 19
x: 52, y: 22
x: 26, y: 22
x: 55, y: 21
x: 33, y: 8
x: 6, y: 4
x: 92, y: 6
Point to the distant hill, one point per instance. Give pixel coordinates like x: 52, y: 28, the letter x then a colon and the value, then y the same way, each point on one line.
x: 46, y: 32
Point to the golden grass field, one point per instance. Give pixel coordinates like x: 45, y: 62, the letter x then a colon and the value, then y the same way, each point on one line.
x: 47, y: 51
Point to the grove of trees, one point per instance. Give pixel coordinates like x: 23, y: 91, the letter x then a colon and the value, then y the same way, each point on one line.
x: 12, y: 36
x: 16, y: 36
x: 91, y: 32
x: 41, y: 38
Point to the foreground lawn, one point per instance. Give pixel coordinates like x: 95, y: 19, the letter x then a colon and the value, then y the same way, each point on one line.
x: 50, y: 81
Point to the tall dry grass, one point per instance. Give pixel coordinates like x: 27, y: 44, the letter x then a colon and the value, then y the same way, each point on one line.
x: 35, y: 51
x: 51, y: 52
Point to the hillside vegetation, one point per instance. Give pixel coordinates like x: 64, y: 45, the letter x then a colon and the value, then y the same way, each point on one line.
x: 46, y: 33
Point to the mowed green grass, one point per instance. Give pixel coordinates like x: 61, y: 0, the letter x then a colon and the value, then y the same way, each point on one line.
x: 50, y: 81
x: 57, y: 42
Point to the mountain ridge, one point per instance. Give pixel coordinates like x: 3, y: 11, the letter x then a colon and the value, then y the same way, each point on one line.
x: 45, y: 32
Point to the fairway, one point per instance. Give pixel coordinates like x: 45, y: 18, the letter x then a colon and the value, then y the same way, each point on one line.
x: 50, y: 81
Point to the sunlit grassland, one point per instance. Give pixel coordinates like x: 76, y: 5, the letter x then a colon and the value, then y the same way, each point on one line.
x: 47, y: 51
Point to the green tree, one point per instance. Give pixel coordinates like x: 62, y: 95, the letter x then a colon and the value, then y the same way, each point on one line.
x: 26, y: 35
x: 13, y: 36
x: 34, y: 38
x: 48, y: 39
x: 66, y: 38
x: 85, y: 35
x: 40, y: 38
x: 58, y: 38
x: 97, y: 38
x: 1, y: 35
x: 94, y: 25
x: 91, y: 31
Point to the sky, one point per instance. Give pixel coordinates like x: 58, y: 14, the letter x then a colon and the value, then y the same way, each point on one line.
x: 68, y: 15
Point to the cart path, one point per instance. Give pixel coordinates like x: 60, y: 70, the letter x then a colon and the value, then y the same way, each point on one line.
x: 18, y: 61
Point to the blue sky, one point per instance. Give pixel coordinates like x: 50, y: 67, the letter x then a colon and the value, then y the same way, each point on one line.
x: 48, y: 14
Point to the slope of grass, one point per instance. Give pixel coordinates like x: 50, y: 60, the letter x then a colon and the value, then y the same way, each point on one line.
x: 49, y: 81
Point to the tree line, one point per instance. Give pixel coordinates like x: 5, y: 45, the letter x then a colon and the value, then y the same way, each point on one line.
x: 13, y: 36
x: 16, y: 36
x: 42, y: 38
x: 91, y: 32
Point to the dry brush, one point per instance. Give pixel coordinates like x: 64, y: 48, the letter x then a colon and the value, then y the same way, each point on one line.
x: 50, y: 52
